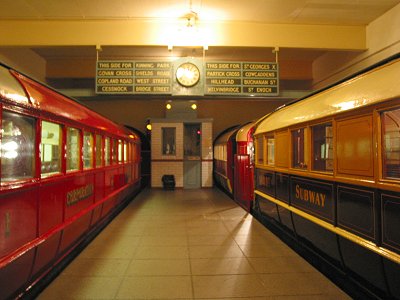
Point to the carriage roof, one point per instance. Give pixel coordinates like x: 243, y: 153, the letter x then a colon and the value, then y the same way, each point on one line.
x: 372, y: 87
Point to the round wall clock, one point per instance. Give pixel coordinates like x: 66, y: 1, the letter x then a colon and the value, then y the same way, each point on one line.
x: 187, y: 74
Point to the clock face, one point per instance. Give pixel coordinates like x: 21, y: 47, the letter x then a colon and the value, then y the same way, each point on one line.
x: 187, y: 74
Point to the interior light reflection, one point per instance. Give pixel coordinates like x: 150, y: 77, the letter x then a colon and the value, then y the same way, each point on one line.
x: 9, y: 150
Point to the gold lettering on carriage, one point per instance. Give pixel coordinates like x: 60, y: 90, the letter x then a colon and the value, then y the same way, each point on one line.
x: 7, y: 230
x: 310, y: 196
x: 79, y: 194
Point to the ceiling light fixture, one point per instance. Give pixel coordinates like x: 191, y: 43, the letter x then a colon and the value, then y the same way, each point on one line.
x: 189, y: 33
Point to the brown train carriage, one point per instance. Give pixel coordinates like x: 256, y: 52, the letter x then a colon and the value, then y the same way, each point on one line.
x: 328, y: 173
x: 64, y: 171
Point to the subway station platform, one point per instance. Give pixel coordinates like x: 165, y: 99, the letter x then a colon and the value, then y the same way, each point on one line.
x: 188, y: 244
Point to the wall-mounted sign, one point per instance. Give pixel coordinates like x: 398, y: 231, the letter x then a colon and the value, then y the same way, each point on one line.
x: 260, y: 79
x: 152, y: 77
x: 114, y: 77
x: 133, y: 77
x: 241, y: 78
x: 223, y: 78
x: 213, y: 78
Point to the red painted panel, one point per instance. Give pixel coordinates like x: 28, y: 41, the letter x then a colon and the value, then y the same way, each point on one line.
x: 108, y: 205
x: 229, y: 163
x: 79, y: 194
x: 241, y: 148
x: 51, y: 206
x: 46, y: 252
x: 243, y: 192
x: 128, y: 173
x: 96, y: 214
x: 15, y: 275
x: 109, y: 180
x: 74, y: 231
x: 99, y: 186
x: 18, y: 219
x: 134, y: 166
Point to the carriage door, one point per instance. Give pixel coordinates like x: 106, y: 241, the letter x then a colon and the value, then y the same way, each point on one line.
x: 243, y: 181
x: 192, y: 156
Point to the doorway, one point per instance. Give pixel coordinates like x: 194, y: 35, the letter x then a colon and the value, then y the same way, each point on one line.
x: 192, y: 156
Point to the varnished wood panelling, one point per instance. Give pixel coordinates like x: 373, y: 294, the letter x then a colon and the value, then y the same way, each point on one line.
x: 281, y: 151
x: 355, y: 147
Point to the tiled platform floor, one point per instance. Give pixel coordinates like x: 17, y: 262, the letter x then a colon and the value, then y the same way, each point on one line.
x: 188, y: 244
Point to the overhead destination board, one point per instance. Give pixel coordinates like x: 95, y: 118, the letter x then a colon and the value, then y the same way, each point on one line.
x: 260, y: 79
x: 223, y: 78
x: 157, y: 77
x: 153, y: 77
x: 133, y: 77
x: 241, y: 78
x: 114, y: 77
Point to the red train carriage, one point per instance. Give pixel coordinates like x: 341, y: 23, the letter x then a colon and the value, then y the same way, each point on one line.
x: 64, y: 170
x: 327, y: 174
x: 234, y: 163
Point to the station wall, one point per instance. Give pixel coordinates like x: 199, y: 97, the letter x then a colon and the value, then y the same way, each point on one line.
x: 224, y: 112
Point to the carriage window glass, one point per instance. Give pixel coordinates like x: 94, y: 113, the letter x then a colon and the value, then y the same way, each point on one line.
x: 270, y: 151
x: 50, y: 148
x: 99, y: 151
x: 322, y: 139
x: 217, y: 153
x: 260, y: 149
x: 224, y: 153
x: 391, y: 144
x: 168, y: 141
x: 17, y: 147
x: 125, y: 152
x: 87, y: 150
x: 298, y: 149
x: 107, y: 151
x: 73, y: 146
x: 114, y: 149
x: 131, y: 151
x: 120, y: 153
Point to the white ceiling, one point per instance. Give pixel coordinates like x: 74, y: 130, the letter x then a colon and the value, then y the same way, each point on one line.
x: 333, y: 12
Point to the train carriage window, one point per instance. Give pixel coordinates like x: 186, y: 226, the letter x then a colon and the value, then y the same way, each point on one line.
x: 135, y: 152
x: 298, y: 149
x: 51, y: 148
x: 87, y: 150
x: 120, y: 153
x: 125, y: 152
x: 107, y: 151
x: 270, y: 150
x: 225, y: 153
x: 99, y: 151
x: 260, y: 149
x: 114, y: 149
x: 391, y: 144
x: 131, y: 152
x: 73, y: 146
x: 322, y: 141
x: 17, y: 147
